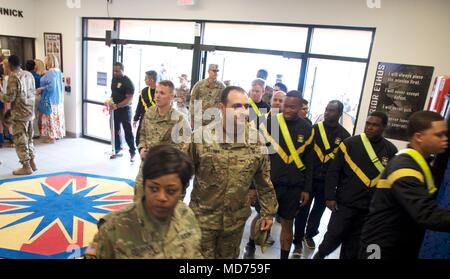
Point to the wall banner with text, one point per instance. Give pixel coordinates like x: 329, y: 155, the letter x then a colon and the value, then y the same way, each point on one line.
x: 399, y: 91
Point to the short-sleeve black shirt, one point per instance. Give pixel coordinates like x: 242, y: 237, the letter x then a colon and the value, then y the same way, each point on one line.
x: 120, y: 87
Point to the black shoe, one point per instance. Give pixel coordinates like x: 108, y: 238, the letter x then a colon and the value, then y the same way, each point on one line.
x: 298, y: 250
x: 309, y: 242
x: 114, y: 156
x: 132, y: 158
x: 318, y: 256
x: 249, y: 252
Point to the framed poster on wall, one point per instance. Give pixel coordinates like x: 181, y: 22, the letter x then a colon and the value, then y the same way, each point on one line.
x: 6, y: 52
x: 400, y: 90
x: 53, y: 45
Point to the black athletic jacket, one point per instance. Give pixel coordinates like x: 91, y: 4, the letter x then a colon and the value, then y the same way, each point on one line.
x: 287, y: 174
x: 140, y: 110
x: 401, y: 209
x: 335, y: 136
x: 343, y: 184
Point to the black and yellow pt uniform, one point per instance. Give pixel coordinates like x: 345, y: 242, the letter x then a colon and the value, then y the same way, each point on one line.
x: 402, y: 208
x: 326, y: 143
x: 146, y: 101
x: 290, y: 161
x: 350, y: 181
x: 257, y: 111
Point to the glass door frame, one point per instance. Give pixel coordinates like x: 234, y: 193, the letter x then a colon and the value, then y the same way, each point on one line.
x: 85, y: 101
x: 117, y: 45
x: 305, y: 56
x: 200, y: 51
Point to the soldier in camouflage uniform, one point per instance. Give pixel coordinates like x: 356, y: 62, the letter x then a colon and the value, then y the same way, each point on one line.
x: 208, y: 91
x: 182, y: 94
x: 185, y: 96
x: 161, y: 124
x: 20, y: 93
x: 159, y: 225
x: 226, y: 162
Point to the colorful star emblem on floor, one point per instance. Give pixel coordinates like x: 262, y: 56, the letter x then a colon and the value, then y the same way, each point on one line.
x: 55, y: 216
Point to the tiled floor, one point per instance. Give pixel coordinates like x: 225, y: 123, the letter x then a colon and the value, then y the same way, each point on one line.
x: 81, y: 155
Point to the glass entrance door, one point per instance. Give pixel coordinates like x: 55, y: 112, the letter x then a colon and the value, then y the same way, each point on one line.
x: 143, y: 45
x: 240, y: 68
x: 168, y: 62
x: 98, y: 83
x: 328, y: 80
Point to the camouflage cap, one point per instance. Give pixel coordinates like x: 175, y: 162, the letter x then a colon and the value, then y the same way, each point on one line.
x: 183, y: 76
x: 213, y: 67
x: 260, y: 236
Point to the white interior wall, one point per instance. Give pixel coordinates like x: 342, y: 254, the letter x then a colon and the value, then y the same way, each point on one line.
x: 15, y: 26
x: 408, y: 31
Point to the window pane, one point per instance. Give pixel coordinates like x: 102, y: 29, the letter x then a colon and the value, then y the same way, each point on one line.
x: 160, y: 31
x: 334, y: 80
x: 97, y: 122
x: 96, y: 28
x: 28, y: 49
x: 351, y: 43
x: 99, y: 71
x: 232, y: 70
x: 256, y: 36
x: 168, y: 62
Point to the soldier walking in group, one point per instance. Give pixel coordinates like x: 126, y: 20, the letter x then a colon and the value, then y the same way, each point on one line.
x: 350, y: 184
x: 20, y: 92
x: 226, y: 162
x: 158, y: 225
x: 328, y: 135
x: 161, y: 124
x: 290, y: 138
x: 146, y: 101
x: 208, y: 92
x: 403, y: 205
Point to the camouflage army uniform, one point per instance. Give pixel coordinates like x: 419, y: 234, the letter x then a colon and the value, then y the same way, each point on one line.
x: 209, y: 94
x: 267, y: 96
x: 132, y: 233
x: 21, y: 94
x: 183, y: 100
x: 219, y: 199
x: 183, y: 96
x: 156, y: 130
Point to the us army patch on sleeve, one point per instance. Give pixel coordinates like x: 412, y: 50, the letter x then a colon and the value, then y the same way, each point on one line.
x: 91, y: 250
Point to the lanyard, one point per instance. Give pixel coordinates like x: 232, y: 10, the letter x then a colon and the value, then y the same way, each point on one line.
x: 255, y: 107
x: 149, y: 97
x: 423, y: 165
x: 288, y: 139
x: 369, y: 149
x: 323, y: 135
